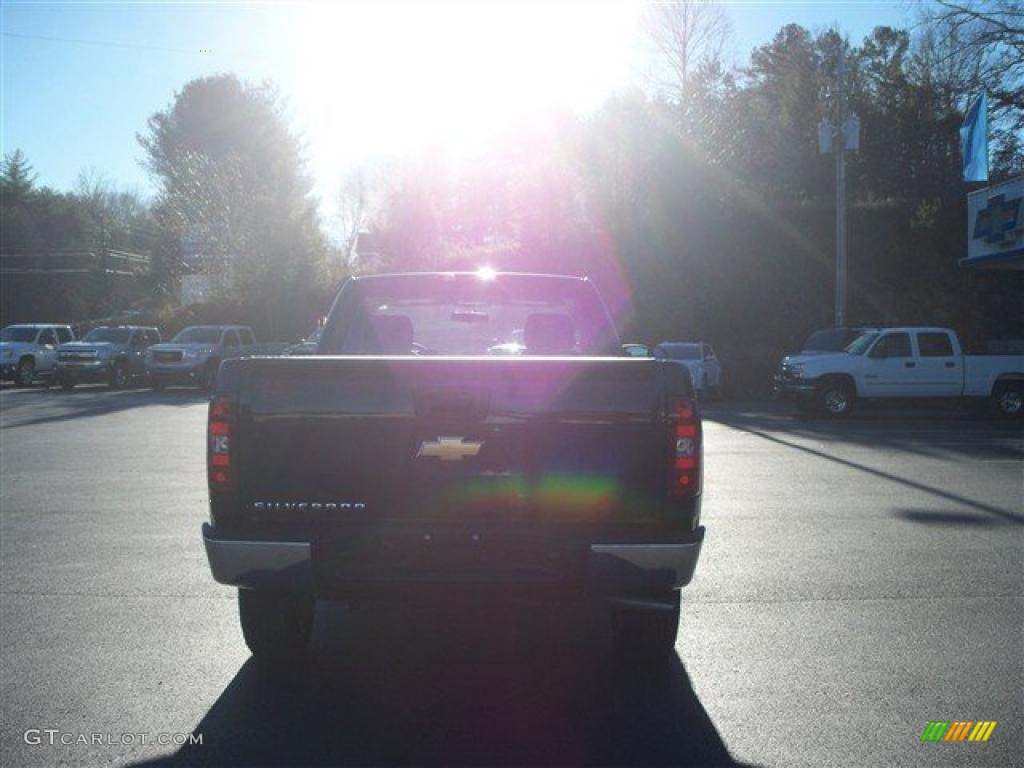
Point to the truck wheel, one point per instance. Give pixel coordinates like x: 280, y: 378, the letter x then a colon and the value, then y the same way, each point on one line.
x: 647, y: 635
x: 835, y: 399
x: 276, y: 625
x: 118, y: 377
x: 1008, y: 400
x: 26, y: 372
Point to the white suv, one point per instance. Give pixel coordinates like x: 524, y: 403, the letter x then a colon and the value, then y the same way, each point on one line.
x: 30, y: 350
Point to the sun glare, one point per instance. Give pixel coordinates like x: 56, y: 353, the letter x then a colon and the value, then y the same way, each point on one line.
x: 377, y: 80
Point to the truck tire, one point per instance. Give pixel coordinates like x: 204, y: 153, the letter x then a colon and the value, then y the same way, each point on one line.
x: 647, y: 635
x: 119, y: 377
x: 1008, y: 399
x: 835, y: 399
x: 276, y: 625
x: 25, y: 373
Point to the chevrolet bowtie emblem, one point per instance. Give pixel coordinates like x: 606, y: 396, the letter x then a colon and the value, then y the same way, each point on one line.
x: 449, y: 448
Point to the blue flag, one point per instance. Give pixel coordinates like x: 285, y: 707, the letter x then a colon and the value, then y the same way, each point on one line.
x: 974, y: 140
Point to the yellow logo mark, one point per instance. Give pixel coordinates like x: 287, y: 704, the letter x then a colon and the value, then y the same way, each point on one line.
x: 982, y: 730
x: 449, y: 448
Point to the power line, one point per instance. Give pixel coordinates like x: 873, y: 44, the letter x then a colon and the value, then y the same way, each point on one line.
x: 101, y: 43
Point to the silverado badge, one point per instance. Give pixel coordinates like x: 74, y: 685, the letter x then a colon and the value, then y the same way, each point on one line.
x: 448, y: 448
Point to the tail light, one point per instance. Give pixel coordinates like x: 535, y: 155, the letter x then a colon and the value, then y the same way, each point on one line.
x: 685, y: 468
x: 219, y: 428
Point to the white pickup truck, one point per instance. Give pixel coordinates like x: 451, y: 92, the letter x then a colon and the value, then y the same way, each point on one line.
x: 901, y: 363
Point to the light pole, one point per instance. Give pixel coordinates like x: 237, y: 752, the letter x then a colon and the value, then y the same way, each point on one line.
x: 839, y: 148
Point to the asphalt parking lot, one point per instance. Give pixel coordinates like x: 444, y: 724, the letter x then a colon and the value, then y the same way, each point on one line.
x: 859, y: 580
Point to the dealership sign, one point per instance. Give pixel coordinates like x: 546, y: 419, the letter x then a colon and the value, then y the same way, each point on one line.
x: 995, y: 225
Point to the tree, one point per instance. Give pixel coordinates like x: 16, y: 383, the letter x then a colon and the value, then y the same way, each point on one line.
x: 235, y: 196
x: 685, y: 34
x: 16, y: 178
x: 989, y: 37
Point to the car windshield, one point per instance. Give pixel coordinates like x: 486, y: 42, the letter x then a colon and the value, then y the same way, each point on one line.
x: 830, y: 340
x: 17, y: 333
x: 464, y: 314
x: 198, y: 334
x: 679, y: 351
x: 861, y: 343
x: 112, y: 335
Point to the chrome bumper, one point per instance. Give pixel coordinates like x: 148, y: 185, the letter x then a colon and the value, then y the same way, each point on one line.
x: 175, y: 369
x: 670, y: 564
x: 83, y: 367
x: 260, y: 564
x: 794, y: 389
x: 614, y: 569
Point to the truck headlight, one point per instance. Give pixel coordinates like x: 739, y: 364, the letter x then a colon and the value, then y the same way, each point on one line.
x: 192, y: 354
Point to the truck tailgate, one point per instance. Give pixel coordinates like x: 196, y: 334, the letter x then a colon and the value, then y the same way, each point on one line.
x: 452, y: 439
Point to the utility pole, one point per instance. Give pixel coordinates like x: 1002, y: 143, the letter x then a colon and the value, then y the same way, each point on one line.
x: 839, y: 149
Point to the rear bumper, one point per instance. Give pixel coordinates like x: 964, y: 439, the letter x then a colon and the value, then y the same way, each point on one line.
x: 614, y: 570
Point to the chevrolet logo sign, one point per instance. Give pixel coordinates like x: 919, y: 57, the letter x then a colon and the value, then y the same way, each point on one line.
x: 449, y: 448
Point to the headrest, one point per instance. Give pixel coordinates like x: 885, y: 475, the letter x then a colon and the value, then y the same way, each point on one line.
x: 549, y: 334
x: 394, y: 334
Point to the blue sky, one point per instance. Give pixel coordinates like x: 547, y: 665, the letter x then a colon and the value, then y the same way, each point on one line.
x: 363, y: 81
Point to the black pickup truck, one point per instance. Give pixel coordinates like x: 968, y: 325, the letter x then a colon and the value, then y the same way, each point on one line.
x: 479, y: 435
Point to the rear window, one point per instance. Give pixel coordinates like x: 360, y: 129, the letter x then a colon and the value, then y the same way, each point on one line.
x: 934, y: 345
x: 468, y: 314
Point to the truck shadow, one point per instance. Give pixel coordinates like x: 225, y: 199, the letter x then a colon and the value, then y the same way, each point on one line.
x: 428, y: 687
x: 996, y: 513
x: 922, y: 431
x: 42, y: 405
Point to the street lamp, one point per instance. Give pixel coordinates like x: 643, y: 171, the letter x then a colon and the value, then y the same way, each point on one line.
x: 839, y: 137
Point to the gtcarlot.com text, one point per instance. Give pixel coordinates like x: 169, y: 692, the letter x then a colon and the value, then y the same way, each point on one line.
x: 53, y: 737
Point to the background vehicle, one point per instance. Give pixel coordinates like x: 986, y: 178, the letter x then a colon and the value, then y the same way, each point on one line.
x: 636, y: 350
x: 307, y: 346
x: 699, y: 358
x: 902, y: 363
x: 193, y: 355
x: 114, y: 354
x: 30, y: 350
x: 833, y: 339
x: 420, y: 454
